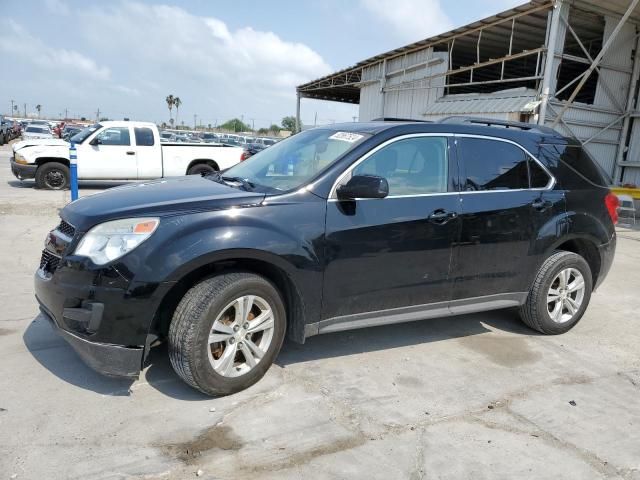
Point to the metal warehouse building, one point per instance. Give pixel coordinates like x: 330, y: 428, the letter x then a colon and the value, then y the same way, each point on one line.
x: 501, y: 67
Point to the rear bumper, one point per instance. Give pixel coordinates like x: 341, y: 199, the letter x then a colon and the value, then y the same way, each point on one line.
x: 110, y: 360
x: 607, y: 252
x: 23, y: 172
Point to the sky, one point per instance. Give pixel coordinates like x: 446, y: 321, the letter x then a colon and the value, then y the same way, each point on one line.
x: 228, y: 59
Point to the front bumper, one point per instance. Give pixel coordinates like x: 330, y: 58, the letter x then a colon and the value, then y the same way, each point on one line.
x: 23, y: 172
x: 104, y: 317
x: 110, y: 360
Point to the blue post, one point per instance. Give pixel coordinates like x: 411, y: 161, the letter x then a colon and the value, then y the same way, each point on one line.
x: 73, y: 160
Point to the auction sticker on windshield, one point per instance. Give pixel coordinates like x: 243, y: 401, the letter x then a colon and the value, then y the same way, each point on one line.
x: 346, y: 137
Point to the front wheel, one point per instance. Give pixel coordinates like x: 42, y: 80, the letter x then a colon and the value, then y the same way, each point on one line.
x: 560, y: 294
x: 52, y: 176
x: 226, y: 332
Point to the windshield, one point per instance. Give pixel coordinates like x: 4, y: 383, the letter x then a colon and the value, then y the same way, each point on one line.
x: 293, y: 162
x: 36, y: 130
x: 82, y: 135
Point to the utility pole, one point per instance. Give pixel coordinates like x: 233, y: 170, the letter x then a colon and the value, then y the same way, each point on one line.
x: 11, y: 112
x: 25, y: 110
x: 98, y: 115
x: 195, y: 124
x: 253, y: 124
x: 66, y: 115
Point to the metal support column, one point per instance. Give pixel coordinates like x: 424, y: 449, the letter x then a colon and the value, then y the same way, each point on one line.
x: 635, y: 73
x: 597, y: 60
x: 298, y: 123
x: 549, y: 59
x: 383, y: 84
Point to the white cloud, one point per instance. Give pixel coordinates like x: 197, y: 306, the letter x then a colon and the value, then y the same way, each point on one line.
x: 411, y: 20
x: 18, y: 41
x: 200, y: 57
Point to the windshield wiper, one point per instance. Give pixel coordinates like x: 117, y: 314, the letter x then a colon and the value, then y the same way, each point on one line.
x: 246, y: 184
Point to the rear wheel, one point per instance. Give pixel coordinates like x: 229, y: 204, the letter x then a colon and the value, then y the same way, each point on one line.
x: 201, y: 169
x: 52, y: 176
x: 560, y: 294
x: 226, y: 332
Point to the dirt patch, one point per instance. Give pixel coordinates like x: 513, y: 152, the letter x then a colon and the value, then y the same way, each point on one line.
x: 218, y: 437
x: 505, y: 351
x: 5, y: 331
x: 406, y: 381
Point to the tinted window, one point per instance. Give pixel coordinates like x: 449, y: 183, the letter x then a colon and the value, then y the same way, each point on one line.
x: 115, y: 136
x: 412, y: 167
x: 144, y: 137
x: 538, y: 177
x: 581, y: 162
x: 493, y: 165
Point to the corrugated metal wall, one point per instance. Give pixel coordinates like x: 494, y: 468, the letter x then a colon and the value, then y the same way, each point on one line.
x: 408, y: 103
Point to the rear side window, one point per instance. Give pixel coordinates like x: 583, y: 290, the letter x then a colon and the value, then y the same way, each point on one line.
x: 144, y: 137
x: 492, y: 165
x: 538, y: 177
x: 579, y: 160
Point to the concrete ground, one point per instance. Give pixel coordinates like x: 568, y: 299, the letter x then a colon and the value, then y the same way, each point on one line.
x: 476, y: 396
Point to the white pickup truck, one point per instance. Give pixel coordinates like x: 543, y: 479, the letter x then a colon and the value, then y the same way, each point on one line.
x: 117, y: 151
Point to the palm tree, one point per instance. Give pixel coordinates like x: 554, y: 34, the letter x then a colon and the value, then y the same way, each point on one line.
x: 38, y: 108
x: 177, y: 102
x: 170, y: 101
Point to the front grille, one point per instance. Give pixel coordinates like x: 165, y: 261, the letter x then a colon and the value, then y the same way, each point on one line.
x: 49, y: 262
x: 66, y: 229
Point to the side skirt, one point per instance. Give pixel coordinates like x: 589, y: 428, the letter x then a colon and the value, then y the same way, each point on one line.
x: 416, y: 312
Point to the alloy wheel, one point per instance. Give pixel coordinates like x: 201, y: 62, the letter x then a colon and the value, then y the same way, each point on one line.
x: 565, y: 295
x: 240, y: 336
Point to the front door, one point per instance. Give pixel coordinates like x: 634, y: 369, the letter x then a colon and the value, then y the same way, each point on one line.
x: 395, y: 252
x: 109, y: 155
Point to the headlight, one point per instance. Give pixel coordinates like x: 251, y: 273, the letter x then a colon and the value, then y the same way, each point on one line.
x: 111, y: 240
x: 20, y: 159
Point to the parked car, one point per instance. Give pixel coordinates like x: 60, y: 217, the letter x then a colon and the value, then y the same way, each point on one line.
x: 117, y: 151
x: 210, y: 138
x: 267, y: 142
x: 6, y: 130
x: 36, y: 131
x: 335, y: 228
x: 250, y: 150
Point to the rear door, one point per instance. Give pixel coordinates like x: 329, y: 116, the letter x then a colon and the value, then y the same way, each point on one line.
x: 148, y: 153
x: 112, y: 157
x: 394, y: 253
x: 503, y: 212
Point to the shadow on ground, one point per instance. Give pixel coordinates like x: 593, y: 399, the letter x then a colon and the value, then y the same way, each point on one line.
x: 53, y: 353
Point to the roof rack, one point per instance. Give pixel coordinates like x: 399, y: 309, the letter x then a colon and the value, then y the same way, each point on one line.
x: 394, y: 119
x: 490, y: 122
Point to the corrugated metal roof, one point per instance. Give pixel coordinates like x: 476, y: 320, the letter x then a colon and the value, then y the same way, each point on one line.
x: 503, y: 102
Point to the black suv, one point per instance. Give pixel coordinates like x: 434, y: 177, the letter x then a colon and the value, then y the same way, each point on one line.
x: 335, y: 228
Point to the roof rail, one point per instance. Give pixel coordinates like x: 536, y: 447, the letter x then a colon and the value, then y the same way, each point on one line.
x: 490, y: 122
x: 394, y: 119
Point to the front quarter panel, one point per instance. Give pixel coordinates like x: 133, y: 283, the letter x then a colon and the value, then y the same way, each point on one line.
x: 286, y: 233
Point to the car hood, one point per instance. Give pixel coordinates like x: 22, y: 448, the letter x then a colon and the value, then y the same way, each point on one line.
x: 189, y: 194
x: 32, y: 142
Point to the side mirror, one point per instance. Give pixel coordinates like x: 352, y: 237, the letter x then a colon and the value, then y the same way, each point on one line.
x: 95, y: 141
x: 364, y: 186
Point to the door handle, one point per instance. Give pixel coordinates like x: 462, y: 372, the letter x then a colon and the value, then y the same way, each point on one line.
x: 131, y: 153
x: 441, y: 216
x: 540, y: 204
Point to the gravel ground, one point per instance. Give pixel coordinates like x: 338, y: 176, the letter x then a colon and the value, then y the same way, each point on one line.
x: 475, y: 396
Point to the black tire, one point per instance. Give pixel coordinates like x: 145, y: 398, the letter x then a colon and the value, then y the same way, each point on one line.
x: 53, y: 176
x: 2, y: 139
x: 192, y: 323
x: 201, y: 169
x: 535, y: 311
